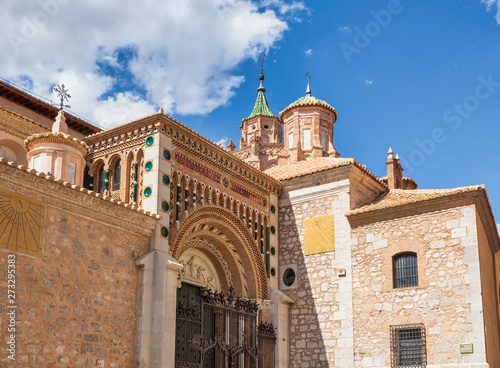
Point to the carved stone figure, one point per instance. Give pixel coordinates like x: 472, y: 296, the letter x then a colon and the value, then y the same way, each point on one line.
x: 199, y: 274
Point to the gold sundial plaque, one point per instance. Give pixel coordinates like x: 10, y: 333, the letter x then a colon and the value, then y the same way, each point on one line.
x: 22, y: 222
x: 319, y: 234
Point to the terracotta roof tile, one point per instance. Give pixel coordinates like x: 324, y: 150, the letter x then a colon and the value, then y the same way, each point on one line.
x: 302, y: 168
x: 401, y: 197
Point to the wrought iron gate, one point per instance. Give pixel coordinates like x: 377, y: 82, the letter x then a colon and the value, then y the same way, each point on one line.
x: 218, y: 331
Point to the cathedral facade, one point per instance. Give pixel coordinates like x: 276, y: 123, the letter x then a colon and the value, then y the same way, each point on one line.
x: 147, y: 245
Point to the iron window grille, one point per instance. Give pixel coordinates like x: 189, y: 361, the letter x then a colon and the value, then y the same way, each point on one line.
x: 408, y: 348
x: 405, y: 272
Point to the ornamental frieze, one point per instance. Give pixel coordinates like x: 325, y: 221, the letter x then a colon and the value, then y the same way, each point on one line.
x: 247, y: 194
x: 190, y: 164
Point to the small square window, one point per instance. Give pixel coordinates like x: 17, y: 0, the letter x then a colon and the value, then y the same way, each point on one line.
x: 408, y: 349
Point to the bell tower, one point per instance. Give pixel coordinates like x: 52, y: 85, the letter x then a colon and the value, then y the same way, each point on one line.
x: 261, y: 132
x: 308, y: 129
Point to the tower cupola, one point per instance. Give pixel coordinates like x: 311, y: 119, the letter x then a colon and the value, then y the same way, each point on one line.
x: 308, y: 126
x: 57, y: 153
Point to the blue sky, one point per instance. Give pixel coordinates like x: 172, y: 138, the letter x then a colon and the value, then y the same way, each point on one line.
x: 422, y: 77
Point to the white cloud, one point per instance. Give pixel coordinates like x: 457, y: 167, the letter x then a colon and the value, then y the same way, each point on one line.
x: 309, y: 52
x: 183, y: 53
x: 493, y: 4
x: 368, y: 82
x: 286, y: 8
x: 122, y: 108
x: 345, y: 29
x: 222, y: 142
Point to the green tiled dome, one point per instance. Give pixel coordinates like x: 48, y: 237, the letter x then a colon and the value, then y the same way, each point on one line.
x: 309, y: 101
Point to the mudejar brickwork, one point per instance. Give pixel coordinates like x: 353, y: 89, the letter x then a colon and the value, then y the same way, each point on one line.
x: 147, y: 245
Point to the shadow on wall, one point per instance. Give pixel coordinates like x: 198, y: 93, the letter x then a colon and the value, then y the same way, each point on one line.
x: 13, y: 151
x: 311, y: 316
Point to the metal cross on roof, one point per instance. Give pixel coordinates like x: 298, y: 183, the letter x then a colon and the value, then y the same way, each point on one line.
x: 63, y: 94
x: 261, y: 57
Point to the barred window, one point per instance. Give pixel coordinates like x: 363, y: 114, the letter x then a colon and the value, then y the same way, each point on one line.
x: 408, y: 346
x: 405, y: 270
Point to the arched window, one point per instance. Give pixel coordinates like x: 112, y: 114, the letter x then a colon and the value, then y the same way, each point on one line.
x: 117, y: 171
x: 404, y: 270
x: 8, y: 153
x: 86, y: 179
x: 101, y: 180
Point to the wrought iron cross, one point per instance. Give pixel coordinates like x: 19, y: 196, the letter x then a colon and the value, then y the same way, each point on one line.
x: 261, y: 57
x: 63, y: 95
x: 308, y: 77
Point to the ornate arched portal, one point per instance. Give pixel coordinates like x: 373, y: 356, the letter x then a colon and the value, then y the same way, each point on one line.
x: 219, y: 327
x: 223, y: 238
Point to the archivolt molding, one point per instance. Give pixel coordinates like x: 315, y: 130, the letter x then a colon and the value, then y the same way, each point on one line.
x: 247, y: 253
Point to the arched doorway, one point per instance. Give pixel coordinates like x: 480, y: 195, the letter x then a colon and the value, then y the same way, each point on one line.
x: 223, y: 277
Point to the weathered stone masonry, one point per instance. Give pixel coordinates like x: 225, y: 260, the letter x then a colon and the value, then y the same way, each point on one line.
x: 448, y: 296
x: 76, y: 304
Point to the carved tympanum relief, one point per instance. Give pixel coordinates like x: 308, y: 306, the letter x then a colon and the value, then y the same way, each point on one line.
x: 198, y: 270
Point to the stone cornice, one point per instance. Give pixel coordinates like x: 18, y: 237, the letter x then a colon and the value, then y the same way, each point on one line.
x: 144, y: 125
x: 73, y: 198
x: 18, y: 125
x: 55, y: 137
x: 219, y: 158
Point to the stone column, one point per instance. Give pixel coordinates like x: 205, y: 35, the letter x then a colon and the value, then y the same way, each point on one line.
x: 156, y: 310
x: 280, y: 318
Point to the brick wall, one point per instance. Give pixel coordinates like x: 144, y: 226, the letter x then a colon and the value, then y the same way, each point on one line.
x: 77, y: 302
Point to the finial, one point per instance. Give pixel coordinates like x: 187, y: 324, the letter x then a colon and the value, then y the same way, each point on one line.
x: 308, y: 90
x: 397, y: 157
x: 59, y: 124
x: 160, y: 110
x: 63, y: 94
x: 230, y: 146
x: 390, y: 157
x: 261, y: 76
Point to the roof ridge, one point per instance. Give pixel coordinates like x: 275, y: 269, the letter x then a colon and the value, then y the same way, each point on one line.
x: 401, y: 197
x: 336, y: 162
x: 68, y: 115
x: 123, y: 125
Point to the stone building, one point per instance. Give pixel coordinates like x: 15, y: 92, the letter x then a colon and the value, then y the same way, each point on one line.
x: 147, y: 245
